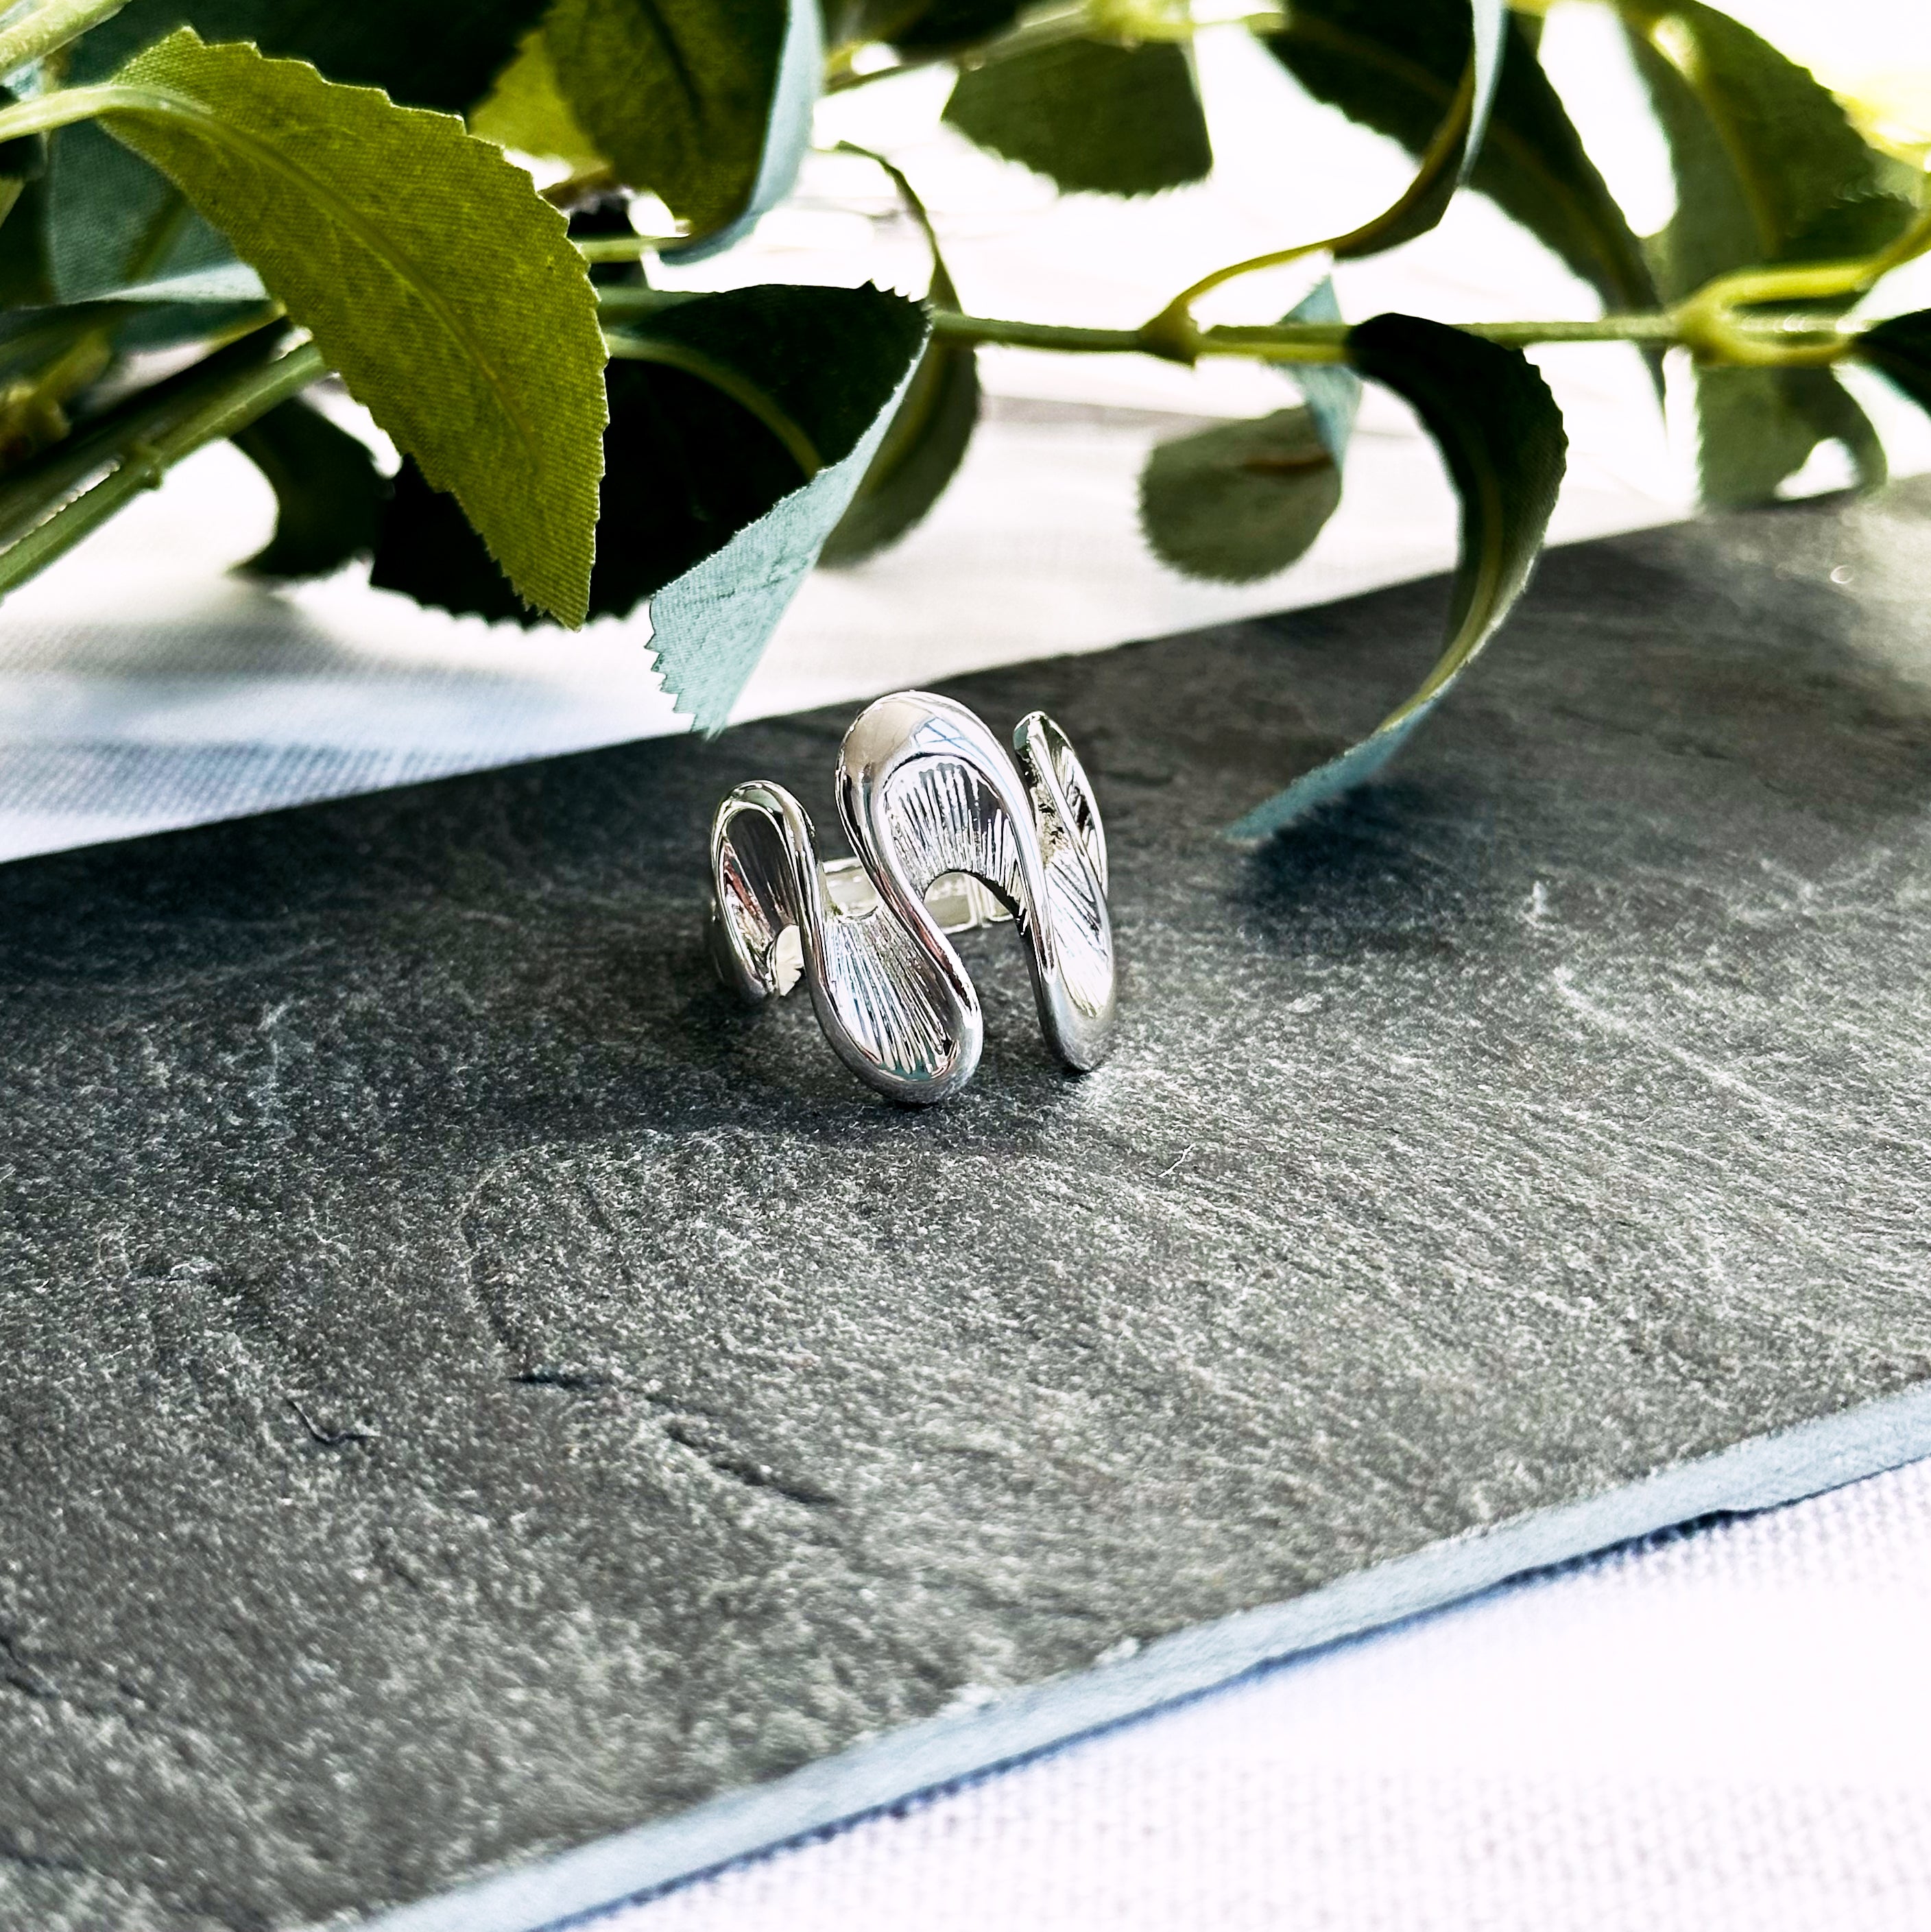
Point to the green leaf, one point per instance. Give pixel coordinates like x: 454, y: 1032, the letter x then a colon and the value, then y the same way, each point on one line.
x: 456, y: 311
x: 944, y: 23
x: 691, y: 468
x: 706, y: 103
x: 1240, y: 501
x: 1090, y: 115
x: 1501, y: 436
x: 425, y: 53
x: 1769, y: 167
x: 1395, y: 66
x: 107, y: 217
x: 916, y: 458
x: 526, y: 110
x: 1901, y: 348
x: 328, y: 493
x: 926, y: 441
x: 1756, y: 426
x: 1769, y: 170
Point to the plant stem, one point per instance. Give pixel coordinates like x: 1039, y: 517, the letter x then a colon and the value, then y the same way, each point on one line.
x: 1790, y: 340
x: 214, y: 405
x: 48, y: 27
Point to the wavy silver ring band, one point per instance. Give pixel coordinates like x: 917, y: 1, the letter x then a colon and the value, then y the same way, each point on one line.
x: 949, y: 833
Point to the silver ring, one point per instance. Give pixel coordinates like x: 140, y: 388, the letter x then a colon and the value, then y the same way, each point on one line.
x: 950, y: 833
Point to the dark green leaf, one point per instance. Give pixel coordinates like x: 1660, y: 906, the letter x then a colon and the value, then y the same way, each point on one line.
x: 425, y: 53
x: 328, y: 493
x: 1757, y: 427
x: 26, y: 273
x: 926, y: 441
x: 1240, y: 501
x: 1902, y: 349
x: 1396, y: 65
x: 1501, y: 436
x: 706, y: 103
x: 1768, y: 170
x: 945, y: 23
x: 917, y: 457
x: 691, y: 470
x: 1115, y: 120
x: 458, y: 313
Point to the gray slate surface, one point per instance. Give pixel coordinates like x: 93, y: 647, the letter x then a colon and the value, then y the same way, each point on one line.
x: 468, y: 1389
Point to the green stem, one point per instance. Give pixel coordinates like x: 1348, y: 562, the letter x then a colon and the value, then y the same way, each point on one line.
x: 202, y: 411
x: 48, y: 27
x: 1790, y: 340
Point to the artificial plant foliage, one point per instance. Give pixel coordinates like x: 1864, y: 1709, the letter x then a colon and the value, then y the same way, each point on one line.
x: 1116, y: 120
x: 1396, y: 65
x: 677, y: 94
x: 329, y: 494
x: 1902, y: 349
x: 1240, y: 501
x: 1769, y: 170
x: 922, y: 446
x: 1501, y: 440
x: 274, y: 190
x: 721, y: 407
x: 448, y: 297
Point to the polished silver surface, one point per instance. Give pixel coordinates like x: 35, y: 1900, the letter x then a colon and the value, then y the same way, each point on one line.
x: 950, y: 833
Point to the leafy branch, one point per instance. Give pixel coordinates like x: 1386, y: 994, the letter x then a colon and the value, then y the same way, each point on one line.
x: 283, y: 193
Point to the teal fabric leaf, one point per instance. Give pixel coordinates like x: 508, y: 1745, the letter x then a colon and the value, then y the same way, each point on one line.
x: 710, y: 627
x: 1331, y: 390
x: 1501, y: 438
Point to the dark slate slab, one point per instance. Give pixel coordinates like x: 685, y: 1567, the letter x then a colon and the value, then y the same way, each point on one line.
x: 468, y: 1389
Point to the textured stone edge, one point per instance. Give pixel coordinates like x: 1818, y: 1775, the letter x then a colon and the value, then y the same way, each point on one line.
x: 1757, y: 1474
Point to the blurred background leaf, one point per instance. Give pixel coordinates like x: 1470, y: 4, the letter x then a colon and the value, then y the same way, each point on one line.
x: 1242, y: 500
x: 328, y: 493
x: 1090, y: 115
x: 1769, y: 170
x: 1395, y: 66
